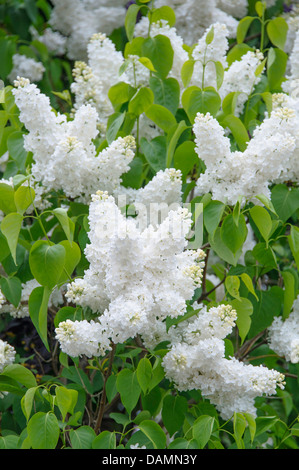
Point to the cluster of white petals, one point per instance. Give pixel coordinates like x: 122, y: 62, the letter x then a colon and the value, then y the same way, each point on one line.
x: 270, y: 156
x: 136, y: 276
x: 241, y: 78
x: 64, y: 152
x: 78, y: 20
x: 193, y: 17
x: 196, y: 360
x: 28, y: 67
x: 284, y: 335
x: 7, y: 354
x: 53, y: 40
x: 82, y: 337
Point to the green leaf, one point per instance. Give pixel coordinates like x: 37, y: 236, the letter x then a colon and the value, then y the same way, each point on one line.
x: 154, y: 433
x: 120, y: 93
x: 159, y: 50
x: 163, y: 13
x: 173, y: 412
x: 293, y: 240
x: 172, y: 142
x: 113, y: 125
x: 210, y: 36
x: 105, y: 440
x: 243, y: 27
x: 141, y: 101
x: 202, y: 429
x: 248, y: 283
x: 289, y: 293
x: 27, y: 401
x: 66, y: 223
x: 144, y: 373
x: 147, y: 63
x: 212, y: 215
x: 20, y: 374
x: 155, y: 152
x: 10, y: 227
x: 38, y: 310
x: 11, y: 287
x: 9, y: 441
x: 66, y: 400
x: 166, y: 92
x: 232, y: 284
x: 47, y: 262
x: 222, y: 250
x: 43, y: 430
x: 219, y: 73
x: 238, y: 130
x: 233, y: 236
x: 82, y: 437
x: 7, y: 198
x: 111, y: 389
x: 15, y: 145
x: 128, y: 386
x: 277, y: 30
x: 187, y: 71
x: 185, y: 158
x: 130, y: 20
x: 72, y: 259
x: 161, y: 116
x: 285, y: 201
x: 239, y: 429
x: 24, y: 196
x: 276, y: 67
x: 251, y: 424
x: 244, y: 310
x: 201, y: 101
x: 262, y: 220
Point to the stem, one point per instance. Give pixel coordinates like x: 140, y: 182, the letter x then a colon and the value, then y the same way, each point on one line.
x: 103, y: 398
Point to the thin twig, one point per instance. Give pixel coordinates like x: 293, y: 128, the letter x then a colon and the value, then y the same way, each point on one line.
x: 103, y: 398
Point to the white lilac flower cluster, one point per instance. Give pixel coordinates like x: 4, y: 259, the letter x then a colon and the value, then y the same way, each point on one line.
x: 196, y: 360
x: 135, y: 276
x: 78, y: 20
x: 28, y: 67
x: 283, y: 335
x: 7, y: 354
x: 64, y: 152
x: 270, y: 156
x: 22, y: 310
x: 91, y: 85
x: 53, y: 40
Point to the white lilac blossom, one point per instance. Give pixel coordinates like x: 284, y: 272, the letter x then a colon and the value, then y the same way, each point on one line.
x: 2, y: 299
x: 241, y: 78
x: 92, y: 80
x: 82, y: 337
x: 283, y: 335
x: 235, y: 8
x: 78, y: 20
x: 63, y: 151
x: 270, y: 156
x: 196, y: 360
x: 7, y: 354
x: 26, y: 67
x: 53, y: 40
x: 135, y: 276
x: 292, y: 19
x: 193, y: 17
x: 153, y: 202
x: 22, y: 310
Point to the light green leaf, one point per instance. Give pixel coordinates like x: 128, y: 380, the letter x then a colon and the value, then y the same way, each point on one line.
x: 10, y: 227
x: 43, y: 430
